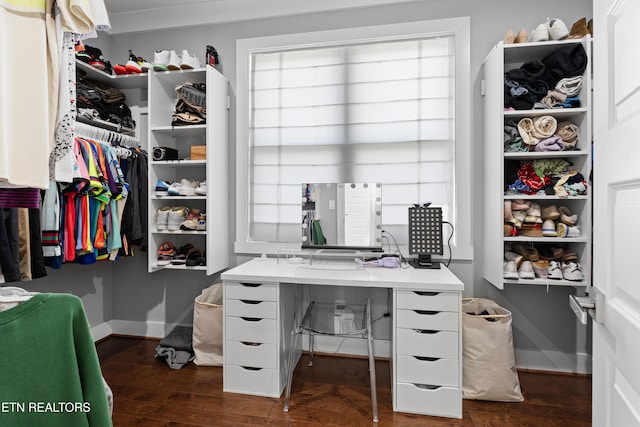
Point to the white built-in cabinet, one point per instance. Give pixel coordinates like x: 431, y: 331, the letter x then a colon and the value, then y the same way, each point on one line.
x: 504, y: 57
x: 162, y: 98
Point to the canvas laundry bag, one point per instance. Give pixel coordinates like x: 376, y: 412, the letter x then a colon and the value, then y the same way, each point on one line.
x: 488, y: 366
x: 207, y: 327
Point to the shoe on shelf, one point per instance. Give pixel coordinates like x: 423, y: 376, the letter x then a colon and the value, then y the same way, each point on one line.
x: 567, y: 217
x: 557, y: 29
x: 554, y: 271
x: 510, y: 230
x: 549, y: 228
x: 188, y: 187
x: 201, y: 190
x: 174, y: 61
x: 550, y: 212
x: 162, y: 218
x: 195, y: 258
x: 529, y: 253
x: 540, y: 268
x: 520, y: 205
x: 510, y: 270
x: 191, y: 221
x: 572, y: 271
x: 181, y: 254
x: 96, y: 60
x: 512, y: 256
x: 540, y: 33
x: 565, y: 230
x: 174, y: 189
x: 177, y: 215
x: 161, y: 60
x: 81, y: 52
x: 579, y: 29
x: 132, y: 65
x: 526, y: 270
x: 202, y: 221
x: 534, y: 214
x: 120, y: 69
x: 167, y: 249
x: 510, y: 37
x: 162, y: 188
x: 518, y: 218
x: 189, y: 61
x: 522, y: 36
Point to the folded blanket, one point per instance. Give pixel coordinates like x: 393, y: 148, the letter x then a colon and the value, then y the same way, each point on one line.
x: 553, y: 143
x: 176, y: 348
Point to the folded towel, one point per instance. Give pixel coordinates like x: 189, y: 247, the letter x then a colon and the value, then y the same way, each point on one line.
x: 569, y: 134
x: 570, y: 86
x: 553, y: 143
x: 554, y: 98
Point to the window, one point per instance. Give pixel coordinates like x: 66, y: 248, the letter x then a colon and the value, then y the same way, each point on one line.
x: 385, y: 104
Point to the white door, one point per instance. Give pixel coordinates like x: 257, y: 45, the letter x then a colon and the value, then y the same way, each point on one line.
x: 616, y: 259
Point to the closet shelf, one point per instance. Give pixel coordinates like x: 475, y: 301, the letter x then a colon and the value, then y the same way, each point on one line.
x: 536, y: 197
x: 531, y: 155
x: 179, y: 267
x: 546, y: 239
x: 555, y: 112
x: 550, y: 282
x: 106, y: 125
x: 180, y: 232
x: 182, y: 131
x: 178, y: 197
x: 185, y: 162
x: 125, y: 81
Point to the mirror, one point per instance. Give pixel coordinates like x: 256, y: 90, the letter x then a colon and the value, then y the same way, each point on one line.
x: 342, y: 215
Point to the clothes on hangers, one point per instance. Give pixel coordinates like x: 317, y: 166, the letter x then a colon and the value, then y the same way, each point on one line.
x: 55, y: 372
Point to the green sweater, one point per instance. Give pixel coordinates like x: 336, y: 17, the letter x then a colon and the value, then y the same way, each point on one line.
x: 49, y: 370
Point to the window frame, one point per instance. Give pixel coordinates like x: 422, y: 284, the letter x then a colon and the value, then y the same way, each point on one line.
x: 458, y: 27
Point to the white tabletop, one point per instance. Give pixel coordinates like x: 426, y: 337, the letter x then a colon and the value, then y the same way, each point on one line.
x: 343, y: 273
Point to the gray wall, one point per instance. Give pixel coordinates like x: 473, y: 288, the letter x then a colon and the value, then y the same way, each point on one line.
x: 543, y: 324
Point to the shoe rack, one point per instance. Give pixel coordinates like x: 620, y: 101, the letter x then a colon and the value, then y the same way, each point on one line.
x: 502, y: 58
x: 162, y: 98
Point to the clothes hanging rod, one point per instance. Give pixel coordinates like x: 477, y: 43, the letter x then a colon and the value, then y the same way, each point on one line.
x: 84, y: 130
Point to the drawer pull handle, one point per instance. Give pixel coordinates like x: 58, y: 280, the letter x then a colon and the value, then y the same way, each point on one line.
x: 426, y: 312
x: 426, y: 331
x: 250, y: 285
x: 251, y: 344
x: 251, y: 319
x: 251, y: 368
x: 248, y: 301
x: 426, y: 294
x: 427, y: 386
x: 427, y: 359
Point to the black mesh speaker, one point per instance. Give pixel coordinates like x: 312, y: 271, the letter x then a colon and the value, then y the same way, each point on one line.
x: 425, y: 235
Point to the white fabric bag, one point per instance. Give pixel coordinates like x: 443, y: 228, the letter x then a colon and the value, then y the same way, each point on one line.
x: 207, y: 327
x: 489, y: 365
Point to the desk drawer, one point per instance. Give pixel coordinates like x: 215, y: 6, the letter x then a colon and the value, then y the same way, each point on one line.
x: 250, y: 308
x: 429, y: 343
x: 418, y: 300
x: 442, y: 372
x: 427, y: 319
x: 419, y: 399
x: 250, y: 354
x: 261, y: 381
x: 251, y: 291
x: 251, y: 329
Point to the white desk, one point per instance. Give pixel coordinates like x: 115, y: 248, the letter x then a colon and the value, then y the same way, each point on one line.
x: 259, y: 303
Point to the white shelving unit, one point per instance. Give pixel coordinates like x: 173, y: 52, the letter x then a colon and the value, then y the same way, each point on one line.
x: 214, y: 170
x: 501, y: 59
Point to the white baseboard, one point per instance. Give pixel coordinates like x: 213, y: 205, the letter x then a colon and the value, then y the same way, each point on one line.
x: 138, y: 329
x: 101, y: 331
x: 579, y: 363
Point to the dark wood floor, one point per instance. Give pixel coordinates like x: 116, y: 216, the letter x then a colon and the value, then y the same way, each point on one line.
x: 334, y: 392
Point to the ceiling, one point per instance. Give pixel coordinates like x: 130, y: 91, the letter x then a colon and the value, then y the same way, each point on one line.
x: 129, y: 16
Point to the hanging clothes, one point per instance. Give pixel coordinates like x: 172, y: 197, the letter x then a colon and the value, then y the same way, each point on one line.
x: 30, y: 94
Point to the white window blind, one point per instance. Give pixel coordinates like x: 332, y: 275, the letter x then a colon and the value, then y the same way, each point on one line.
x: 369, y: 112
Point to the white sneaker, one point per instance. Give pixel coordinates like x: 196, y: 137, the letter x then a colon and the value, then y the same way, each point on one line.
x: 540, y: 34
x: 572, y: 271
x: 188, y: 187
x: 202, y: 189
x: 177, y: 215
x: 526, y: 270
x: 191, y: 222
x: 549, y: 228
x: 512, y: 256
x: 202, y: 221
x: 540, y: 267
x: 189, y: 61
x: 554, y: 271
x: 174, y: 189
x: 565, y: 230
x: 509, y: 270
x: 174, y: 61
x: 162, y: 218
x: 557, y: 29
x: 161, y: 60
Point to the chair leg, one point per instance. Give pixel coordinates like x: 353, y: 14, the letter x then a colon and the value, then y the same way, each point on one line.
x: 290, y: 365
x: 311, y: 349
x: 372, y: 365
